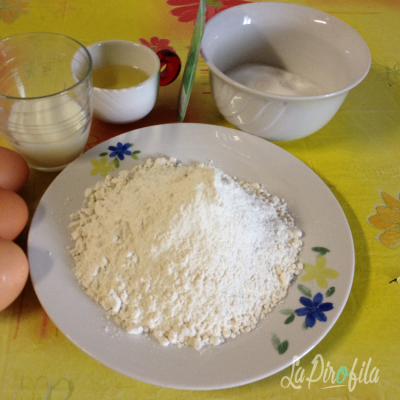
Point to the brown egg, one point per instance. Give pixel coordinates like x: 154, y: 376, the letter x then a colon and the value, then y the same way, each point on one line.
x: 14, y: 271
x: 14, y: 170
x: 13, y: 214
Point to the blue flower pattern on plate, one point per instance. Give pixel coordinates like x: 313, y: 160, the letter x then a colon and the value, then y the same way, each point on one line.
x: 120, y: 150
x: 313, y: 309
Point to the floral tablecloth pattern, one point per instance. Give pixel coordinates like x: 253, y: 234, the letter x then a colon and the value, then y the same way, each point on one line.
x: 357, y: 155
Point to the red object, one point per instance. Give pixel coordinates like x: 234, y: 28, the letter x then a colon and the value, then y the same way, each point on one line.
x: 170, y: 66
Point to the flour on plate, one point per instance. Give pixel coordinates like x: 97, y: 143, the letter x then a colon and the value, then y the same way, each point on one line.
x: 186, y: 253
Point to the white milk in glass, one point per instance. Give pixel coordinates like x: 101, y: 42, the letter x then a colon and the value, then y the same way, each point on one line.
x: 49, y: 132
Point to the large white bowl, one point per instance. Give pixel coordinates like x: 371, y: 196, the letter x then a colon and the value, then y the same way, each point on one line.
x: 301, y: 40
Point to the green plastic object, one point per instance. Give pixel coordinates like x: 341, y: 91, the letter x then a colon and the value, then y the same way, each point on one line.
x: 191, y: 63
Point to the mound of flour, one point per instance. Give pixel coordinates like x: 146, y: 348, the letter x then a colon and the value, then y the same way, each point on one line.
x: 184, y: 252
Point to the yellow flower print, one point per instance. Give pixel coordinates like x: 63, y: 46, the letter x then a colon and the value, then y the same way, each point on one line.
x: 44, y: 388
x: 101, y: 167
x: 391, y: 74
x: 319, y: 273
x: 11, y: 9
x: 387, y: 218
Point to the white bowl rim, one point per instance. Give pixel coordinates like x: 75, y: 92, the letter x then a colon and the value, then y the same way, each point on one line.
x: 266, y: 95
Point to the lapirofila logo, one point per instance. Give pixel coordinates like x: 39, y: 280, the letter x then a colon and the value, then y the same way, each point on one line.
x: 328, y: 377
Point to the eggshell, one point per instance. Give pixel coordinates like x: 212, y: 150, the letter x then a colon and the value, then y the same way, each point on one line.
x: 13, y: 214
x: 14, y: 271
x: 14, y: 170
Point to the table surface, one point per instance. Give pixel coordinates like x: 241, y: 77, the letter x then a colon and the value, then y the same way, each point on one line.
x: 357, y: 154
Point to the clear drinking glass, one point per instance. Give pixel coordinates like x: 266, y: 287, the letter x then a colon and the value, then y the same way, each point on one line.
x: 45, y: 109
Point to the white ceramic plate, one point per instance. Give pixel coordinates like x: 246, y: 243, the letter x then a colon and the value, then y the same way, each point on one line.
x: 264, y: 351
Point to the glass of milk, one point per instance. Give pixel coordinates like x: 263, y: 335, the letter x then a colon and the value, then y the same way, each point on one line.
x: 45, y: 109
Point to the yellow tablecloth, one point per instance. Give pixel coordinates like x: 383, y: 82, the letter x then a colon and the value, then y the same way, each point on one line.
x: 357, y: 155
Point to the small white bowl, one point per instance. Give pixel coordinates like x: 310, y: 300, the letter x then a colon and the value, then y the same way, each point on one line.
x: 307, y: 45
x: 130, y: 104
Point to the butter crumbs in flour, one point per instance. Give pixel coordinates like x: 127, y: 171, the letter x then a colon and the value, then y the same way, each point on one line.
x: 186, y: 253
